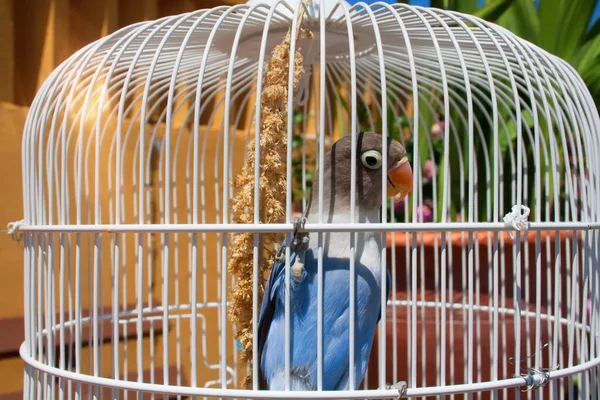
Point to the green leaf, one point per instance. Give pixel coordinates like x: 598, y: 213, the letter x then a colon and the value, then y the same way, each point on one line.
x: 394, y: 129
x: 440, y: 189
x: 492, y: 11
x: 593, y: 32
x: 563, y: 24
x: 592, y: 80
x: 298, y: 117
x: 522, y: 19
x: 587, y: 56
x: 425, y: 121
x: 464, y: 6
x: 296, y: 142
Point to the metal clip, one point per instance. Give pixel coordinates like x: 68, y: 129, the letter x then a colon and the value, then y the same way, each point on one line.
x: 400, y: 386
x: 529, y: 374
x: 299, y: 239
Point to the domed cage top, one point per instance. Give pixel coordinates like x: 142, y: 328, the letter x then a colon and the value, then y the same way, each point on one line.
x: 149, y: 229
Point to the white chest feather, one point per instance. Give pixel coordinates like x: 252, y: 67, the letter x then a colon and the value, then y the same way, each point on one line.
x: 366, y: 245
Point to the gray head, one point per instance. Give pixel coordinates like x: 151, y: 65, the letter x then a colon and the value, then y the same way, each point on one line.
x: 337, y: 178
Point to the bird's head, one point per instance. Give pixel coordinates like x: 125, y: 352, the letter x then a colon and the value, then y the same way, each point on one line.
x: 369, y: 170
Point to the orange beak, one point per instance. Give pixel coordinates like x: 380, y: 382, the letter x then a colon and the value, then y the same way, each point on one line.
x: 400, y: 179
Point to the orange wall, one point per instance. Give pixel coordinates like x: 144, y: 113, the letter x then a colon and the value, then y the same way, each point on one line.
x: 36, y: 35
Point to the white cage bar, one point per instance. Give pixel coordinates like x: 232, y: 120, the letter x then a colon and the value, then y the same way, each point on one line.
x: 131, y: 145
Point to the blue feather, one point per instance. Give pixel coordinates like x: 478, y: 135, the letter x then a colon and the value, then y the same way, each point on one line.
x: 303, y: 321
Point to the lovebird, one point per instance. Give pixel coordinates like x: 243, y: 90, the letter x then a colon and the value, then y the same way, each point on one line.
x: 336, y: 273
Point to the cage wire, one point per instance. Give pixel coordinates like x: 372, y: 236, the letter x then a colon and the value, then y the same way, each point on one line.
x: 133, y: 147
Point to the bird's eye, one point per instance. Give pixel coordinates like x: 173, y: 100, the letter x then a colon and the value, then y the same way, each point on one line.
x: 371, y: 159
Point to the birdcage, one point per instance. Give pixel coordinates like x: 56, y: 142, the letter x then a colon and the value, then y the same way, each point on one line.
x: 165, y: 166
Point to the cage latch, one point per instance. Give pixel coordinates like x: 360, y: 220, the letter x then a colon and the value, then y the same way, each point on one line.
x: 13, y: 230
x: 517, y: 220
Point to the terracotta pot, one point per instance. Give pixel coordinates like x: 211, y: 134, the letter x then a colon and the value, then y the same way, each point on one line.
x: 458, y: 259
x: 428, y: 329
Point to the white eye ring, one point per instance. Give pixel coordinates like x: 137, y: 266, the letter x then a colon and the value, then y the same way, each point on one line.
x: 371, y: 159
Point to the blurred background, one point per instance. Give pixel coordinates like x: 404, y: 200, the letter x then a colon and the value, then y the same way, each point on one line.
x: 37, y: 35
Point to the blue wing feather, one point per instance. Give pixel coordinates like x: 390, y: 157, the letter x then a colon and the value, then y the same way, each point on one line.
x: 267, y: 309
x: 272, y: 297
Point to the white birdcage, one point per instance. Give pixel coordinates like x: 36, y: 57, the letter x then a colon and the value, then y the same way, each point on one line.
x: 132, y: 144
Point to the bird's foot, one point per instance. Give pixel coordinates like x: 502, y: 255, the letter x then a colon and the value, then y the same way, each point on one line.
x: 299, y: 245
x: 300, y: 240
x: 298, y: 271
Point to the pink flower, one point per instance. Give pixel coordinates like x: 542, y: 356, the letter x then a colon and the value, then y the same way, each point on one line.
x: 399, y: 206
x: 424, y: 214
x: 437, y: 130
x: 428, y: 171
